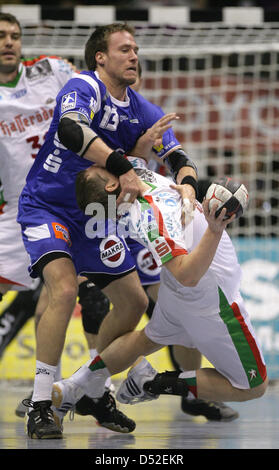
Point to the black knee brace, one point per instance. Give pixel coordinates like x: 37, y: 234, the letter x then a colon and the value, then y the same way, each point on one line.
x: 94, y: 306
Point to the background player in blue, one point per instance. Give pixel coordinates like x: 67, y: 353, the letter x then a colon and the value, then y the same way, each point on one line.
x: 98, y: 118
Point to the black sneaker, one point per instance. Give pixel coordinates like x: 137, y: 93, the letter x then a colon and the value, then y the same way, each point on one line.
x: 167, y: 383
x: 212, y: 410
x: 41, y: 424
x: 105, y: 412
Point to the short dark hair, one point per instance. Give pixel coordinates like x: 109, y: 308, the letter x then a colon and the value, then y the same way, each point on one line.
x: 10, y: 19
x: 92, y: 189
x: 98, y: 41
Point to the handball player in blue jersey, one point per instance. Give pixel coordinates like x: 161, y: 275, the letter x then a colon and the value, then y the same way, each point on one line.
x: 98, y: 119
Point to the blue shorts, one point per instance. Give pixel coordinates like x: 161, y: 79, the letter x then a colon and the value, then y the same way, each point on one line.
x: 48, y: 235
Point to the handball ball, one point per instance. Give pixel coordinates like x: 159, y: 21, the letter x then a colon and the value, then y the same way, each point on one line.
x: 229, y: 194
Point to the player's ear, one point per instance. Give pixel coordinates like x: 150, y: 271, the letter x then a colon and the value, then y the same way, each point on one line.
x: 99, y: 57
x: 112, y: 185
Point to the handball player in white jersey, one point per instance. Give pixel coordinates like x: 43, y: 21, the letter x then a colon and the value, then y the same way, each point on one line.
x: 27, y: 98
x: 199, y: 303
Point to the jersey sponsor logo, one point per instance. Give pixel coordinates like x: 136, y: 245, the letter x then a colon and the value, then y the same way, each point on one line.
x: 112, y: 251
x: 158, y: 148
x: 52, y: 163
x: 61, y: 232
x: 146, y: 263
x: 21, y: 123
x: 161, y: 247
x: 68, y: 101
x: 18, y: 94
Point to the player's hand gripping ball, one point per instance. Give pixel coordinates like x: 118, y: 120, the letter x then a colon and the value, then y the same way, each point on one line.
x: 229, y: 194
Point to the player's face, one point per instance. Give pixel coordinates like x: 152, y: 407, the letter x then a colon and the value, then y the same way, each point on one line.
x: 120, y: 61
x: 10, y: 47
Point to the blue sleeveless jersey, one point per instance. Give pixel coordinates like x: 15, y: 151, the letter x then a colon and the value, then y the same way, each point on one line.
x: 51, y: 180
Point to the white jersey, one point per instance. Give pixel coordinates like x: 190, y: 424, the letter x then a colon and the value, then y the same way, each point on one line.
x: 26, y: 109
x: 155, y: 221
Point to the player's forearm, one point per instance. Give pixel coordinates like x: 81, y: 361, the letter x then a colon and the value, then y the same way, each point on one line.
x: 98, y: 152
x: 75, y: 133
x: 189, y: 269
x: 185, y: 171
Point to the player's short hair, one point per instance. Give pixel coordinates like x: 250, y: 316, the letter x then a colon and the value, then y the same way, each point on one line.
x: 98, y: 41
x: 9, y: 18
x: 92, y: 189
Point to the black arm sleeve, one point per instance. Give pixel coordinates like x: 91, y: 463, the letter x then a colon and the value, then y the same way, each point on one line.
x: 177, y: 160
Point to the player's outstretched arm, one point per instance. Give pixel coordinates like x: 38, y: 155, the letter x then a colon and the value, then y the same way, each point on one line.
x: 189, y: 269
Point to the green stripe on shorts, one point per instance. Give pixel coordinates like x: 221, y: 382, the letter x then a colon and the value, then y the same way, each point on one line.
x: 243, y: 341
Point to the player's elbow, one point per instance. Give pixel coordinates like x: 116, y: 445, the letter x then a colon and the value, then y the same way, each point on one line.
x: 187, y: 279
x: 70, y: 134
x: 184, y: 271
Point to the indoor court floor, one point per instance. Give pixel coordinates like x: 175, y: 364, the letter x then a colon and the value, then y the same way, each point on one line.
x: 160, y: 425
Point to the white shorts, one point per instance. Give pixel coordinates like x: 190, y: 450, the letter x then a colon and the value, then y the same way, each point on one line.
x: 226, y: 338
x: 14, y: 260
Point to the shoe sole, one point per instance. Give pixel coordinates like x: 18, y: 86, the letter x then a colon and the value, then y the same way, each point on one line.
x: 56, y: 396
x: 116, y: 428
x: 227, y: 419
x: 57, y: 399
x: 34, y: 435
x: 46, y: 436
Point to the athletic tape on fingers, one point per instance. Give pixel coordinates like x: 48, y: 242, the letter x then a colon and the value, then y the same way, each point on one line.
x: 126, y: 197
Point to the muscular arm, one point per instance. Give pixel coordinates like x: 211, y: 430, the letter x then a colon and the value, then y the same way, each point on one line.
x: 76, y: 135
x: 189, y: 269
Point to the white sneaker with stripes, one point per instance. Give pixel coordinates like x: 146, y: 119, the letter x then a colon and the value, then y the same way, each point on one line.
x: 131, y: 390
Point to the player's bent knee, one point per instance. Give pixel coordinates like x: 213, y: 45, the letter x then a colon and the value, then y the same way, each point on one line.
x: 137, y: 308
x: 66, y: 293
x: 260, y: 390
x: 255, y: 392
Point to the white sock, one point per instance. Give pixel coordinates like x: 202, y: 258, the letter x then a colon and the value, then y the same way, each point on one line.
x: 91, y: 377
x: 93, y: 353
x: 58, y: 373
x: 108, y: 383
x: 43, y: 382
